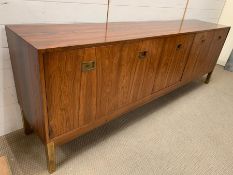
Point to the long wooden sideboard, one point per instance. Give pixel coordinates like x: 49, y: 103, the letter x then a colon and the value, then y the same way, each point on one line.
x: 72, y: 78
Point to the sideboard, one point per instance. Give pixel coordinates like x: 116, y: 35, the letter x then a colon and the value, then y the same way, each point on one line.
x: 72, y: 78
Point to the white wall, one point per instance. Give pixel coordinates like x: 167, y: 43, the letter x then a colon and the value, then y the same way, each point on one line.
x: 206, y: 10
x: 72, y: 11
x: 145, y: 10
x: 227, y: 19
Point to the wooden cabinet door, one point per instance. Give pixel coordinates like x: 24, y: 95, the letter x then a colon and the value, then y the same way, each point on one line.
x: 204, y: 53
x: 215, y: 48
x: 146, y: 64
x: 71, y: 93
x: 108, y: 69
x: 172, y: 61
x: 116, y: 65
x: 125, y: 73
x: 198, y: 60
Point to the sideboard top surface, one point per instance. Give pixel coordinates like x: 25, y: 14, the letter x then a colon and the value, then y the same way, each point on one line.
x: 46, y: 37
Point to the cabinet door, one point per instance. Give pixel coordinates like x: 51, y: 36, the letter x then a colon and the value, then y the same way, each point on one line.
x: 146, y: 62
x: 215, y: 48
x: 172, y: 61
x: 116, y: 65
x: 198, y: 60
x: 125, y: 73
x: 71, y: 93
x: 108, y: 70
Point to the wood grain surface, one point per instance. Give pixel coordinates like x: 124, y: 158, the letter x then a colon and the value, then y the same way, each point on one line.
x: 62, y: 77
x: 26, y: 70
x: 49, y: 37
x: 131, y: 63
x: 172, y: 61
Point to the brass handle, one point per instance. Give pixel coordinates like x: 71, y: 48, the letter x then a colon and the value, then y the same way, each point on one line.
x: 179, y: 46
x: 88, y: 65
x: 142, y: 55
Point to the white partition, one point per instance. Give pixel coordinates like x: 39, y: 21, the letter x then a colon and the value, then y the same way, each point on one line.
x: 227, y: 19
x: 33, y: 11
x: 151, y: 3
x: 206, y: 10
x: 138, y: 10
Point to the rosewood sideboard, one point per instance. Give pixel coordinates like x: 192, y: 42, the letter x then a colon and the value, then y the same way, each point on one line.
x: 72, y: 78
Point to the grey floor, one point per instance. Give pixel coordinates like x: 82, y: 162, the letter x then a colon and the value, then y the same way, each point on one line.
x: 189, y: 131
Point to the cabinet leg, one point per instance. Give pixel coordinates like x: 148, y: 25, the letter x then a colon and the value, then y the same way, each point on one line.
x: 26, y: 126
x: 208, y: 77
x: 50, y: 155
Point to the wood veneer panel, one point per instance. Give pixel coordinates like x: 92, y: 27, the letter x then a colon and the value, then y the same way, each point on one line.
x: 27, y: 77
x: 145, y: 71
x: 62, y: 79
x: 108, y: 69
x: 116, y: 65
x: 172, y: 61
x: 198, y: 57
x: 216, y: 47
x: 88, y: 91
x: 49, y: 37
x: 124, y: 109
x: 128, y: 65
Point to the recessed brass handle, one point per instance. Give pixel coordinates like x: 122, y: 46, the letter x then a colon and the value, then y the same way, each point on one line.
x: 88, y: 65
x: 142, y: 55
x: 179, y: 46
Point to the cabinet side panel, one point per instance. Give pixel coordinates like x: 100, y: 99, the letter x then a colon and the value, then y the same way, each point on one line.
x: 26, y: 70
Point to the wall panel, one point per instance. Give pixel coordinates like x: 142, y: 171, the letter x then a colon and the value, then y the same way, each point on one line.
x: 20, y: 11
x: 10, y: 119
x: 206, y: 10
x: 151, y: 3
x: 3, y: 40
x: 136, y: 13
x: 76, y: 1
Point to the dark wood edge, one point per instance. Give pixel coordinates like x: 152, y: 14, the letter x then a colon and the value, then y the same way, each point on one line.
x: 44, y: 97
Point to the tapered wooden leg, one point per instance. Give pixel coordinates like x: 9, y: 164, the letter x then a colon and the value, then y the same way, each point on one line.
x: 51, y: 159
x: 27, y: 128
x: 208, y: 77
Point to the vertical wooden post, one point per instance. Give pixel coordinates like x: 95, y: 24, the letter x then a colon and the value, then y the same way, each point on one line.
x: 50, y: 155
x: 208, y: 77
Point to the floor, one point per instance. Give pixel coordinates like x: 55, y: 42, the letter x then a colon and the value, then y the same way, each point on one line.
x: 189, y: 131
